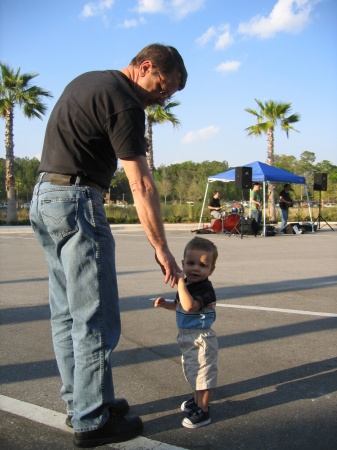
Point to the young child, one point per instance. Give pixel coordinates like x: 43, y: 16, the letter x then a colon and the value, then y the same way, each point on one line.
x: 195, y: 313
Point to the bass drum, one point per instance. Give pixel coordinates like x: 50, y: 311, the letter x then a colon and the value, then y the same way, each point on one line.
x: 232, y: 223
x: 217, y: 226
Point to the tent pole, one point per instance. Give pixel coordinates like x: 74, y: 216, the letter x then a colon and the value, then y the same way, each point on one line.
x: 310, y: 213
x: 264, y: 209
x: 203, y: 205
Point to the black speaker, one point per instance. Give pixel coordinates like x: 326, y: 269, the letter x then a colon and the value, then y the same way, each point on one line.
x: 320, y: 181
x: 289, y: 229
x: 249, y: 226
x: 243, y: 177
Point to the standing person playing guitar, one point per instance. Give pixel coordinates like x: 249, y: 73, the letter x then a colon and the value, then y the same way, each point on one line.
x: 285, y: 203
x: 256, y: 204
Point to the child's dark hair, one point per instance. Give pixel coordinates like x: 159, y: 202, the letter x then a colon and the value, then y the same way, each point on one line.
x: 206, y: 245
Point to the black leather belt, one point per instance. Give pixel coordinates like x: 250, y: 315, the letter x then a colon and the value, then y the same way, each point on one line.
x: 68, y: 180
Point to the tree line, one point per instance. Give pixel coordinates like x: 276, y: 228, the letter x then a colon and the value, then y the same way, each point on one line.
x: 183, y: 182
x: 177, y: 182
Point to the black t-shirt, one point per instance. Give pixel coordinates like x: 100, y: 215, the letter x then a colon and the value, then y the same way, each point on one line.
x: 215, y: 203
x: 202, y: 291
x: 97, y: 119
x: 285, y: 195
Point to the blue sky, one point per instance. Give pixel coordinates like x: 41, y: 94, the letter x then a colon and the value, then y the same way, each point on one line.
x: 234, y: 51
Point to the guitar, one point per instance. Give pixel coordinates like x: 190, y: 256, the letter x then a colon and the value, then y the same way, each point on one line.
x: 284, y: 205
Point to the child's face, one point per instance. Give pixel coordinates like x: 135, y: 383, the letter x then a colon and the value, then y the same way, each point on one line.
x: 198, y: 265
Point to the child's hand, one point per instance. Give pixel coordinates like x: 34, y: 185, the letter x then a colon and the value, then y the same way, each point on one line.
x: 159, y: 302
x: 180, y: 275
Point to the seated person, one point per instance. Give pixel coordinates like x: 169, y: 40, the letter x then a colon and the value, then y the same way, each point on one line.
x: 214, y: 205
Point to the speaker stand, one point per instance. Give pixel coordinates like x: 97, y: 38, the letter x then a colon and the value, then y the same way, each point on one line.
x: 241, y: 221
x: 319, y: 218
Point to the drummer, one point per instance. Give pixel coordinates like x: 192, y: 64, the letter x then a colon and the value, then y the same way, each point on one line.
x: 214, y: 205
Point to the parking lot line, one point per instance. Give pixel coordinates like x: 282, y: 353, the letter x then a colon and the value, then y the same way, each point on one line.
x: 57, y: 420
x: 287, y: 311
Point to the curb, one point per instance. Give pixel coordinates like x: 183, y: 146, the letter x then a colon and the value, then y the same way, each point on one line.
x: 118, y: 227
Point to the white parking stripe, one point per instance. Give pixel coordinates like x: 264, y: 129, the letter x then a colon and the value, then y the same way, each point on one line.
x: 288, y: 311
x: 57, y: 420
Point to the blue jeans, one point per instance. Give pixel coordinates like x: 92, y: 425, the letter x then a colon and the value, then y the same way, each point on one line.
x: 284, y: 218
x: 70, y: 224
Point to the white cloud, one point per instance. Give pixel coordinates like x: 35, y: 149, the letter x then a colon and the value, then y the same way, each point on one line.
x: 181, y: 8
x: 150, y: 6
x: 176, y: 8
x: 204, y: 134
x: 287, y: 15
x: 224, y: 39
x: 96, y: 8
x: 206, y: 37
x: 133, y: 23
x: 228, y: 66
x: 221, y: 34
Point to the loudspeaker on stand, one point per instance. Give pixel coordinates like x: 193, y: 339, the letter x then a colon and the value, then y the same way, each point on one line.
x: 320, y: 181
x: 243, y: 177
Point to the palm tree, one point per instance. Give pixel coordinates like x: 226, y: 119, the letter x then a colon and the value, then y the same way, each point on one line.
x: 158, y: 114
x: 16, y: 89
x: 271, y: 114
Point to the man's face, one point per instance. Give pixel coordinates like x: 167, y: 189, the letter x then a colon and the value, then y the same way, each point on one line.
x: 155, y: 87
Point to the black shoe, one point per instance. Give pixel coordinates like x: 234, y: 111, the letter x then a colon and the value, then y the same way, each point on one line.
x: 197, y: 418
x: 68, y: 421
x: 189, y: 405
x: 120, y: 407
x: 115, y: 429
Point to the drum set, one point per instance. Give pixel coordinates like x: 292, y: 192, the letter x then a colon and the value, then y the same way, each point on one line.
x: 228, y: 223
x: 233, y: 222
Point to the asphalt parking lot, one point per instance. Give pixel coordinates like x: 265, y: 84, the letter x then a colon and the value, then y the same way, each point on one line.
x: 276, y: 325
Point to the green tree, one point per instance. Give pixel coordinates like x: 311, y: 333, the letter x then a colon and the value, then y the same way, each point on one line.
x: 196, y: 191
x: 164, y: 188
x: 25, y: 177
x: 158, y: 114
x: 285, y: 162
x: 180, y: 186
x: 120, y: 187
x: 306, y: 168
x: 271, y: 114
x: 17, y: 89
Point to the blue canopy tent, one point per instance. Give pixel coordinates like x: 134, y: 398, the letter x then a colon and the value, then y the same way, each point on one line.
x: 260, y: 173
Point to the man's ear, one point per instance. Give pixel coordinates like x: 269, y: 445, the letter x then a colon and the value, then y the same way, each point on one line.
x: 145, y: 67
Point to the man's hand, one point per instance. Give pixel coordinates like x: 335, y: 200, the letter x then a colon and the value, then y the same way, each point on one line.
x: 168, y: 266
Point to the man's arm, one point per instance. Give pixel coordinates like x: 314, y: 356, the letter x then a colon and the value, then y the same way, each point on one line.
x: 283, y: 200
x: 147, y: 202
x: 252, y: 200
